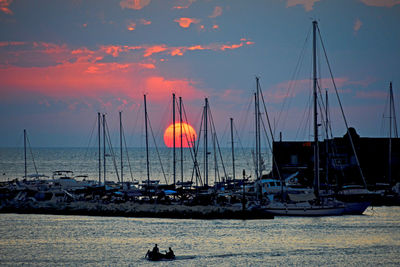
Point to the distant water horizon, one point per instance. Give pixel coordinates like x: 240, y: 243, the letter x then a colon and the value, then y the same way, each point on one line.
x: 84, y: 161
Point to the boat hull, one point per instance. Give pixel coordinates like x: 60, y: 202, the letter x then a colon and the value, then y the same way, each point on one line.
x: 293, y: 210
x: 356, y: 208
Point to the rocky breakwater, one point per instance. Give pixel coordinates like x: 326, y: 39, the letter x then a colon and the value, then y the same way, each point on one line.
x: 133, y: 209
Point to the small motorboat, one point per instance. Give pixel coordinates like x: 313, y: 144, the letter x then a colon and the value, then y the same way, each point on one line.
x: 157, y: 256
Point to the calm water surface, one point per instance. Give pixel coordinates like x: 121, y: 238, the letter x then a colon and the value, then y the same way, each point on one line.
x: 46, y: 240
x: 84, y: 161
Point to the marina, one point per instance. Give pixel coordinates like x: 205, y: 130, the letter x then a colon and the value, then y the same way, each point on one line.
x: 199, y: 133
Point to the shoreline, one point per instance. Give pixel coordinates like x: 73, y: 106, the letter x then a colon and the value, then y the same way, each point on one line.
x: 134, y: 210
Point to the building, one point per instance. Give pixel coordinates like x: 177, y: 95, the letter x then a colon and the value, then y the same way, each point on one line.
x: 336, y: 156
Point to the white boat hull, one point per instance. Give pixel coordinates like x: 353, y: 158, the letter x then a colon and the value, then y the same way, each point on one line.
x: 300, y: 210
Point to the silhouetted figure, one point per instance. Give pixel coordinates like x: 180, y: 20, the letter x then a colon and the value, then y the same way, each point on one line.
x: 170, y: 254
x: 155, y: 249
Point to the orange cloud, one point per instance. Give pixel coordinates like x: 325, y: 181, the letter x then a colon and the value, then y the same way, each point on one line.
x: 308, y: 4
x: 112, y: 50
x: 68, y: 79
x: 196, y: 47
x: 162, y: 88
x: 217, y: 12
x: 145, y: 22
x: 48, y: 54
x: 176, y: 52
x: 95, y: 80
x: 131, y: 26
x: 185, y: 22
x: 147, y: 65
x: 154, y: 50
x: 4, y: 6
x: 134, y: 4
x: 381, y: 3
x: 235, y: 46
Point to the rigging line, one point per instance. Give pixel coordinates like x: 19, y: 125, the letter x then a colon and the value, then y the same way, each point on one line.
x: 127, y: 154
x: 219, y: 149
x: 341, y: 108
x: 307, y: 124
x: 271, y: 133
x: 332, y: 144
x: 196, y: 163
x: 241, y: 147
x: 196, y: 150
x: 329, y: 124
x: 305, y: 117
x: 191, y: 140
x: 216, y: 170
x: 396, y: 135
x: 243, y: 120
x: 296, y: 71
x: 33, y: 159
x: 108, y: 138
x: 322, y: 107
x: 270, y: 147
x: 266, y: 115
x: 158, y: 153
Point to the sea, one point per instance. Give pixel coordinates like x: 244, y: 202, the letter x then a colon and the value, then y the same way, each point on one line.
x: 370, y: 239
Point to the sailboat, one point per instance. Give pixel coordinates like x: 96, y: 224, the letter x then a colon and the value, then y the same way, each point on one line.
x: 319, y: 206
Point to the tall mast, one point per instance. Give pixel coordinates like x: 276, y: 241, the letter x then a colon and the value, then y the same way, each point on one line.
x: 233, y: 153
x: 256, y: 128
x: 147, y: 142
x: 99, y: 143
x: 205, y: 143
x: 180, y: 120
x: 390, y: 133
x: 120, y: 146
x: 259, y: 127
x: 214, y: 137
x: 174, y: 145
x: 25, y: 153
x: 316, y: 145
x: 327, y: 136
x: 104, y: 147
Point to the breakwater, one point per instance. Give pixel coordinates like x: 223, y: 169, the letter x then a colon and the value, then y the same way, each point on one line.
x: 132, y: 209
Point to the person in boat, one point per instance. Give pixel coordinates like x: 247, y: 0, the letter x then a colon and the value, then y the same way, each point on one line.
x: 170, y: 254
x: 155, y: 249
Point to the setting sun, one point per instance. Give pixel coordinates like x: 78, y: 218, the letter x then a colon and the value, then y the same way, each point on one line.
x: 188, y: 135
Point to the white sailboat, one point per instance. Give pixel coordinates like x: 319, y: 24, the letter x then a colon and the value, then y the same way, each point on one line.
x: 318, y: 206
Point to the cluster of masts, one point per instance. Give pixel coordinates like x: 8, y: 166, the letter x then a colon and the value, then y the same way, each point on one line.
x: 103, y: 137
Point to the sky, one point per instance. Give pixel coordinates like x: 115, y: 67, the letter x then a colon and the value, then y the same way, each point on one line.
x: 61, y: 62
